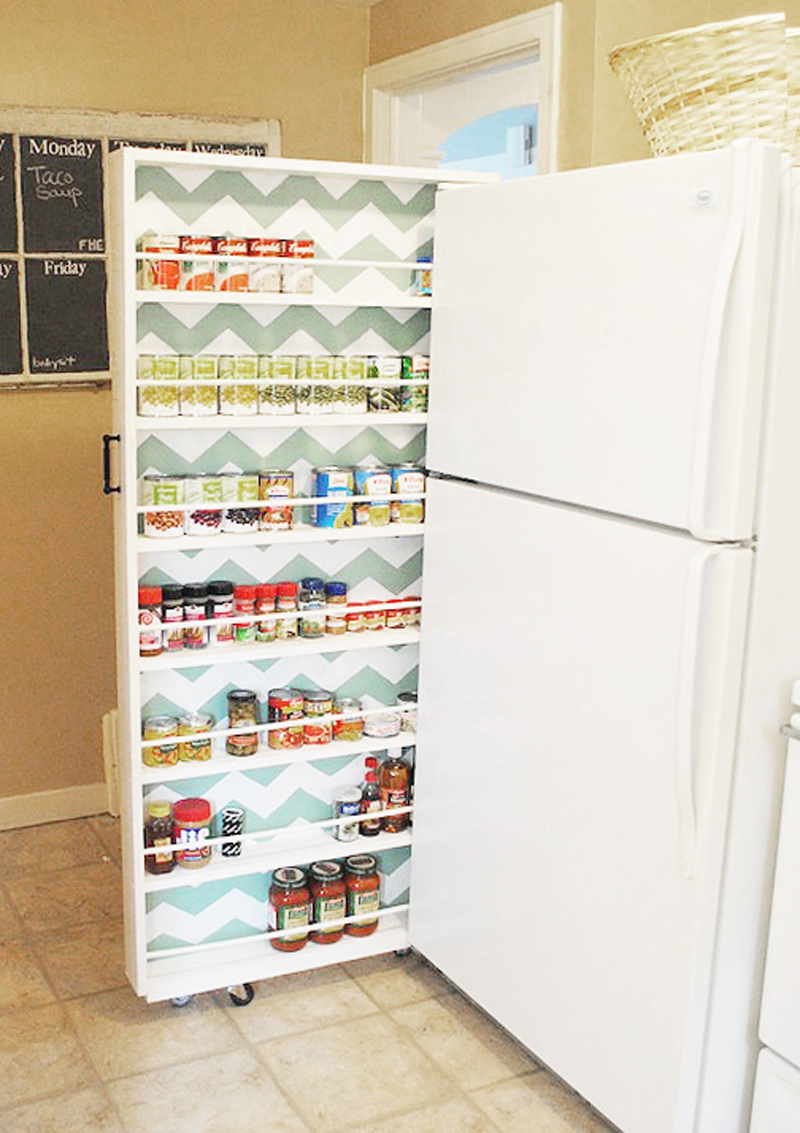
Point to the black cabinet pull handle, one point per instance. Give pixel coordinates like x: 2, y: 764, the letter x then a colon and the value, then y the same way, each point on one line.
x: 107, y: 439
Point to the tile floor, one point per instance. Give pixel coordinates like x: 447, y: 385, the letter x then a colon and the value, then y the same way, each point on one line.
x: 378, y: 1045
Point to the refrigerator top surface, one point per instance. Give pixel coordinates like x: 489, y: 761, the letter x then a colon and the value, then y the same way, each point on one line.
x: 601, y: 337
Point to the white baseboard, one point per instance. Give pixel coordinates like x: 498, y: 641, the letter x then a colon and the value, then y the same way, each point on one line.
x: 53, y: 806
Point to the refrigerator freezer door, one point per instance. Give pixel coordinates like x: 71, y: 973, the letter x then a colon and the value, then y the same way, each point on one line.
x: 578, y: 685
x: 600, y: 336
x: 776, y: 1104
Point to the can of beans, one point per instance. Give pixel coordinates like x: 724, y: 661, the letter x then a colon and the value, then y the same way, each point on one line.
x: 199, y: 400
x: 158, y: 490
x: 200, y: 490
x: 414, y: 396
x: 285, y: 705
x: 194, y: 729
x: 376, y: 483
x: 265, y: 263
x: 240, y: 488
x: 408, y: 478
x: 314, y: 389
x: 164, y: 729
x: 275, y: 485
x: 337, y: 484
x: 238, y: 384
x: 317, y: 702
x: 160, y: 271
x: 232, y: 272
x: 384, y: 398
x: 158, y: 399
x: 276, y: 390
x: 197, y: 274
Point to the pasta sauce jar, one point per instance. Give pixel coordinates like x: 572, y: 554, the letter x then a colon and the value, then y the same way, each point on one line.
x: 289, y: 908
x: 363, y: 893
x: 328, y: 900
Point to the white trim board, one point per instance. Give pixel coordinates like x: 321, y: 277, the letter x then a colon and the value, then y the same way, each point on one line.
x: 535, y: 34
x: 53, y: 806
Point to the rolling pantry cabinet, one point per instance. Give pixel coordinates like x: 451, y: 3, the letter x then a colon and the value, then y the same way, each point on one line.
x: 191, y: 930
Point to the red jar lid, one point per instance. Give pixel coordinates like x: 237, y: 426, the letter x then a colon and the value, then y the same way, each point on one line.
x: 266, y: 590
x: 191, y: 810
x: 245, y: 592
x: 285, y: 589
x: 149, y: 595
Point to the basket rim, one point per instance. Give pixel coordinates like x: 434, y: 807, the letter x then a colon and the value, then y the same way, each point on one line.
x: 777, y: 18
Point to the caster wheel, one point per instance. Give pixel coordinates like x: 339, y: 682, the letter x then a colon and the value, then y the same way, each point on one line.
x: 401, y: 953
x: 241, y: 994
x: 181, y: 1000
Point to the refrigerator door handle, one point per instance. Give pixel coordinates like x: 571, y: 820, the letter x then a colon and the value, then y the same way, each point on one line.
x: 709, y: 677
x: 712, y: 348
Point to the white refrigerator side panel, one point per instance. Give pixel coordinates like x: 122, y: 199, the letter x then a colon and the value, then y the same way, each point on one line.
x: 776, y: 1105
x: 600, y: 336
x: 572, y: 785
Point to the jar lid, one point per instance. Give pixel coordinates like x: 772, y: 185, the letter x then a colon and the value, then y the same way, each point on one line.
x: 312, y: 584
x: 244, y: 591
x: 219, y: 588
x: 407, y: 698
x: 316, y: 694
x: 346, y: 704
x: 335, y: 587
x: 285, y: 589
x: 172, y: 592
x: 289, y: 877
x: 159, y: 809
x: 191, y: 810
x: 371, y: 762
x: 197, y: 591
x: 241, y: 696
x: 266, y: 590
x: 347, y: 794
x: 361, y: 864
x: 149, y: 595
x: 326, y: 871
x: 200, y: 720
x: 168, y: 725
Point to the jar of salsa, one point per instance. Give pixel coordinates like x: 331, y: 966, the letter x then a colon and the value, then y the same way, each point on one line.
x: 363, y: 893
x: 328, y: 900
x: 289, y: 908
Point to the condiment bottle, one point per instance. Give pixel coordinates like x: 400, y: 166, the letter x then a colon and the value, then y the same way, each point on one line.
x: 328, y: 900
x: 172, y: 616
x: 266, y: 626
x: 158, y: 832
x: 286, y: 601
x: 220, y: 605
x: 192, y: 818
x: 393, y: 781
x: 195, y: 601
x: 244, y: 601
x: 242, y: 712
x: 363, y: 893
x: 370, y: 798
x: 289, y: 907
x: 150, y: 622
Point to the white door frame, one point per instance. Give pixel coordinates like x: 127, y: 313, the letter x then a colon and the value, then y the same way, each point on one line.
x: 536, y: 33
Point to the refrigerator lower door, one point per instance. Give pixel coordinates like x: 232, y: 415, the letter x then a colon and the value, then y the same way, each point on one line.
x: 600, y: 336
x: 578, y: 687
x: 776, y: 1103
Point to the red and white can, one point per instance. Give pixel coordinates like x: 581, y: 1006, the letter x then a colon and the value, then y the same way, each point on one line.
x: 298, y: 278
x: 197, y: 274
x: 265, y: 266
x: 284, y: 706
x: 232, y: 273
x: 162, y: 274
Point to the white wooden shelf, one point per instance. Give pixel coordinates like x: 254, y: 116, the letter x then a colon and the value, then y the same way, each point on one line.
x: 278, y: 421
x: 147, y: 545
x: 280, y: 299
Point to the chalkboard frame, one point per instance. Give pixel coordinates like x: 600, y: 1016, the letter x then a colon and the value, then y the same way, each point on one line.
x: 109, y: 130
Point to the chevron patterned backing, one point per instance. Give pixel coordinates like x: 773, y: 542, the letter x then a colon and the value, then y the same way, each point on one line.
x: 349, y: 219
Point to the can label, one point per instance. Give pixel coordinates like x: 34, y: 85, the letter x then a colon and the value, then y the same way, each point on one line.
x: 377, y: 483
x: 275, y: 486
x: 197, y: 274
x: 230, y: 275
x: 157, y: 273
x: 412, y: 480
x: 281, y: 708
x: 333, y: 482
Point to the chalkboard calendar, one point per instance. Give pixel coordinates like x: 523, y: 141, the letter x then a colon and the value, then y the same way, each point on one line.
x: 54, y: 223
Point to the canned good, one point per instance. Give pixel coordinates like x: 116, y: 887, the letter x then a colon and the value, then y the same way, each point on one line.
x: 242, y: 713
x: 414, y: 397
x: 348, y: 724
x: 314, y: 391
x: 382, y: 724
x: 274, y: 485
x: 197, y: 274
x: 408, y: 478
x: 199, y: 490
x: 408, y: 719
x: 347, y: 803
x: 375, y: 482
x: 159, y: 270
x: 316, y: 703
x: 275, y: 397
x: 264, y: 272
x: 194, y: 729
x: 238, y: 394
x: 158, y: 399
x: 355, y: 396
x: 230, y: 274
x: 239, y: 488
x: 284, y: 705
x: 338, y: 388
x: 297, y: 278
x: 164, y: 729
x: 198, y: 400
x: 158, y: 490
x: 337, y: 483
x: 382, y: 398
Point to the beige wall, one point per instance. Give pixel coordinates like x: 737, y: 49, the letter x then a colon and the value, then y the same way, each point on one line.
x: 297, y: 60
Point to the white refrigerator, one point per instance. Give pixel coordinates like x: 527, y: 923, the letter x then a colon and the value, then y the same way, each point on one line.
x: 612, y: 619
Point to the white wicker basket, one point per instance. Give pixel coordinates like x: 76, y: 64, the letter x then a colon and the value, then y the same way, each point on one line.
x: 702, y: 88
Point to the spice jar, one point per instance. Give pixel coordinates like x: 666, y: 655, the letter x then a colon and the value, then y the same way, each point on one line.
x: 286, y: 601
x: 192, y: 818
x: 311, y: 596
x: 347, y: 804
x: 348, y: 725
x: 220, y: 605
x: 266, y: 626
x: 172, y: 616
x: 195, y: 601
x: 242, y: 713
x: 363, y: 893
x: 336, y: 603
x: 328, y: 900
x: 150, y: 643
x: 244, y: 602
x: 158, y: 835
x: 289, y: 908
